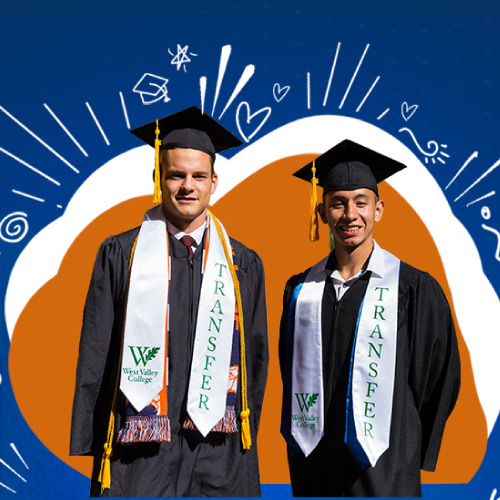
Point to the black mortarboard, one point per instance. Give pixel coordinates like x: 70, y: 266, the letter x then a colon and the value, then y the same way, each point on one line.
x: 345, y: 167
x: 349, y: 166
x: 189, y: 128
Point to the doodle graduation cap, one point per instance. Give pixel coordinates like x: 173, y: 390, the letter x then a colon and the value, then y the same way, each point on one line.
x: 189, y: 128
x: 345, y: 167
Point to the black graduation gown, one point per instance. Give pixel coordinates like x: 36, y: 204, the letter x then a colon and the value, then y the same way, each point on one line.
x: 427, y: 381
x: 189, y: 465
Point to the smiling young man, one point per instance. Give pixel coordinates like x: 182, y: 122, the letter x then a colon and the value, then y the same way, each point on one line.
x: 173, y: 354
x: 368, y: 350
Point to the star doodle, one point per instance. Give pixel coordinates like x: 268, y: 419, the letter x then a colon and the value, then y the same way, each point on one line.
x: 181, y: 58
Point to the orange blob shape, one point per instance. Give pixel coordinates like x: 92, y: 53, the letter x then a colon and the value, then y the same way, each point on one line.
x: 269, y: 212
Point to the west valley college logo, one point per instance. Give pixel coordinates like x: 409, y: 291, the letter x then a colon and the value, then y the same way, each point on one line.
x: 306, y: 400
x: 142, y: 354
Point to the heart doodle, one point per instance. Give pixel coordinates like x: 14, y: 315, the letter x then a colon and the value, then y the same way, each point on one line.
x: 408, y: 111
x: 250, y: 117
x: 280, y: 92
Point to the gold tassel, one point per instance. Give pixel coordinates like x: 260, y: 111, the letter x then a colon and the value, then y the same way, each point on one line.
x: 105, y: 472
x: 246, y: 438
x: 314, y: 226
x: 157, y: 191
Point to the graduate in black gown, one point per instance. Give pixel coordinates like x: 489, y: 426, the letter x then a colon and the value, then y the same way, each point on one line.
x: 149, y: 457
x: 426, y: 376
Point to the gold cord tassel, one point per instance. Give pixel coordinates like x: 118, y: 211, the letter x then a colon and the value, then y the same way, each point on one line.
x: 314, y: 226
x: 157, y: 191
x: 246, y: 437
x: 105, y: 472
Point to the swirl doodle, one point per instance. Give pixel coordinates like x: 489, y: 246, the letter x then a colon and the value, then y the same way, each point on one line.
x: 14, y: 227
x: 433, y: 149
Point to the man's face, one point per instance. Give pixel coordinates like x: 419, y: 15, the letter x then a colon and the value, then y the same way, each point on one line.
x: 187, y: 183
x: 351, y: 216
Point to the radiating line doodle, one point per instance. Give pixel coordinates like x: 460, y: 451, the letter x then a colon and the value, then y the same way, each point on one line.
x: 330, y: 78
x: 489, y: 195
x: 14, y: 227
x: 408, y: 111
x: 13, y: 446
x: 68, y: 133
x: 203, y: 92
x: 12, y: 470
x: 181, y: 58
x: 30, y: 196
x: 7, y: 488
x: 308, y: 90
x: 96, y: 121
x: 354, y: 76
x: 434, y: 152
x: 471, y: 157
x: 43, y: 143
x: 249, y: 118
x: 124, y: 107
x: 367, y: 94
x: 31, y: 167
x: 280, y: 92
x: 383, y: 114
x: 493, y: 167
x: 243, y: 80
x: 224, y: 58
x: 153, y: 86
x: 5, y: 464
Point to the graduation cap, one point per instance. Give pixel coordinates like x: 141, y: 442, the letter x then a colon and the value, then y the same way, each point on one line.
x: 345, y: 167
x: 189, y: 128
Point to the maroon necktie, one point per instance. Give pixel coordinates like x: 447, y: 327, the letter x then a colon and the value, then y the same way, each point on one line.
x: 188, y: 242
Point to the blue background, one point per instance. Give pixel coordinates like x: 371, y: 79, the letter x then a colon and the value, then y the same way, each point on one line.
x: 439, y: 55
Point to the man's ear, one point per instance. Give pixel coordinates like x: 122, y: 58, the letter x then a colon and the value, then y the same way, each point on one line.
x: 379, y: 210
x: 215, y: 182
x: 322, y: 212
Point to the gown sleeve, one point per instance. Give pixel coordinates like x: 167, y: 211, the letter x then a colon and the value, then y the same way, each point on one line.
x: 98, y: 359
x: 435, y: 364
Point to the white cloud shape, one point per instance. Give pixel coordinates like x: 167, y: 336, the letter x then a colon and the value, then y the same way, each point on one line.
x: 129, y: 175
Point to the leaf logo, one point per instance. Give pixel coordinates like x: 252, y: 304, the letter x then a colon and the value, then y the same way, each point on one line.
x: 306, y: 400
x: 142, y: 354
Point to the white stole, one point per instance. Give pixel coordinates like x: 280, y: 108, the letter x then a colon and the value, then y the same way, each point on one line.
x: 146, y: 324
x: 374, y: 360
x: 214, y: 337
x: 307, y: 372
x: 143, y: 356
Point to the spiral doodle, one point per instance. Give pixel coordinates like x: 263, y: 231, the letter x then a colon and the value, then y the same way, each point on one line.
x: 14, y: 227
x: 435, y: 151
x: 431, y: 145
